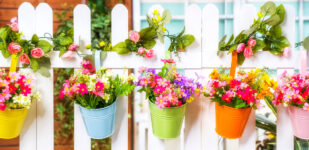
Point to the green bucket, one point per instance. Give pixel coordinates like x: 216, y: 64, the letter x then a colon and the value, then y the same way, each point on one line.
x: 166, y: 122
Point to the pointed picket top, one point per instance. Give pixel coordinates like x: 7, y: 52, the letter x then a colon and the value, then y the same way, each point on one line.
x: 26, y: 20
x: 193, y: 25
x: 82, y: 26
x: 120, y: 24
x: 210, y: 38
x: 44, y: 20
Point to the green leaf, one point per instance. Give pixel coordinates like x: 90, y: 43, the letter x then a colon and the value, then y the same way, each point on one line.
x: 34, y: 39
x: 66, y: 40
x: 147, y: 33
x: 252, y: 29
x: 306, y: 43
x: 166, y: 16
x: 187, y: 40
x: 44, y: 71
x: 240, y: 58
x: 121, y: 48
x: 275, y: 31
x: 148, y: 44
x: 269, y: 8
x: 181, y: 33
x: 241, y: 37
x: 259, y: 45
x: 45, y: 46
x: 273, y: 20
x: 232, y: 49
x: 34, y: 64
x: 230, y: 40
x: 280, y: 11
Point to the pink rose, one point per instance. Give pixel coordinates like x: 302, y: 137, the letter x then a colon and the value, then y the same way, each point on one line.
x: 240, y: 47
x: 24, y: 59
x: 14, y: 26
x: 248, y: 52
x: 149, y: 54
x: 67, y: 54
x: 134, y: 36
x: 251, y: 42
x: 141, y: 50
x: 37, y: 53
x: 286, y: 52
x: 14, y: 48
x: 73, y: 47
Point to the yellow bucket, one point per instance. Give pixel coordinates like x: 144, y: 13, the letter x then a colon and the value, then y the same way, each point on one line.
x: 11, y: 122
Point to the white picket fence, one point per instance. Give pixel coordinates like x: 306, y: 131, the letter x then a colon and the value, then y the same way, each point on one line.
x: 199, y: 126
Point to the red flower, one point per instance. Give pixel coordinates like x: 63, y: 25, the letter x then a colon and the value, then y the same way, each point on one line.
x: 12, y: 88
x: 99, y: 86
x: 25, y: 90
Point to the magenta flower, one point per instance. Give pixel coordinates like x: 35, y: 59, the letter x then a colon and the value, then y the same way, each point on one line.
x: 83, y: 89
x: 73, y: 47
x: 134, y: 36
x: 248, y: 52
x: 14, y: 48
x: 251, y: 42
x: 158, y: 90
x: 160, y: 101
x: 240, y: 47
x: 99, y: 86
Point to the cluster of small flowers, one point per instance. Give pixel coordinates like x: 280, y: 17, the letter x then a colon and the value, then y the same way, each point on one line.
x: 14, y: 24
x: 135, y: 37
x: 249, y: 87
x: 170, y: 91
x: 251, y: 43
x: 88, y: 81
x: 16, y: 91
x: 293, y: 90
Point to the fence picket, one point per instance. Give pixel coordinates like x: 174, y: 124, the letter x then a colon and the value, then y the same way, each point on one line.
x: 26, y: 23
x: 82, y: 36
x: 45, y: 107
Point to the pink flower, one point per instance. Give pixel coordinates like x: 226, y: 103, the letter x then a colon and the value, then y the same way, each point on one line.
x: 83, y: 89
x: 286, y: 52
x: 6, y: 94
x: 142, y: 69
x: 86, y: 64
x: 251, y: 42
x: 67, y: 54
x: 141, y: 50
x: 158, y: 90
x: 37, y: 53
x: 170, y: 61
x: 162, y: 82
x: 134, y: 36
x: 248, y: 52
x: 25, y: 90
x: 24, y: 59
x: 14, y: 20
x: 2, y: 106
x: 73, y: 47
x: 14, y: 26
x: 306, y: 107
x: 160, y: 101
x: 149, y: 54
x: 240, y: 47
x: 14, y: 48
x: 99, y: 86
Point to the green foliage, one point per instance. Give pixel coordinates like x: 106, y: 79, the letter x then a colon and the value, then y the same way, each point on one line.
x: 180, y: 42
x: 266, y: 30
x: 64, y: 108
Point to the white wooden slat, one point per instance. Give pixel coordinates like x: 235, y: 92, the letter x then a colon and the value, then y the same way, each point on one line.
x: 120, y: 136
x: 59, y: 62
x: 210, y: 36
x: 45, y: 109
x: 136, y: 15
x: 210, y: 137
x: 193, y: 23
x: 120, y: 33
x: 285, y: 137
x: 26, y: 20
x: 82, y: 36
x: 193, y: 120
x: 242, y: 21
x: 82, y: 26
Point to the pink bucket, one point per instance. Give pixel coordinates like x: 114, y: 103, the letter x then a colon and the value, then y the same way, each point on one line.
x: 300, y: 122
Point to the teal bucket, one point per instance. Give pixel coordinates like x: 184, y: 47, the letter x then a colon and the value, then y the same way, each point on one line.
x: 100, y: 122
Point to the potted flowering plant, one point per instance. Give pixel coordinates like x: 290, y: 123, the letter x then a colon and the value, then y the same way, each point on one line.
x: 16, y: 96
x: 235, y: 98
x: 96, y: 92
x: 293, y: 92
x: 168, y: 93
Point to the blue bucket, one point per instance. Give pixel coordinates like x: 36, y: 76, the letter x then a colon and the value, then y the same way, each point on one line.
x: 100, y: 122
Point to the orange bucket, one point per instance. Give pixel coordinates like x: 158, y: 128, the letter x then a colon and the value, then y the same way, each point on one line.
x: 231, y: 122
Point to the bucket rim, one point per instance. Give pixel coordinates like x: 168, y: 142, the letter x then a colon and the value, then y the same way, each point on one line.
x: 228, y: 107
x: 96, y: 109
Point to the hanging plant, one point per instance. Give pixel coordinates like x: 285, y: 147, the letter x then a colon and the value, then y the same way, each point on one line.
x: 142, y: 42
x: 265, y: 34
x: 31, y: 53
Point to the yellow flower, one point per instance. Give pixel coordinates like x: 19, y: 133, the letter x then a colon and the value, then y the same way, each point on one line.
x: 214, y: 74
x: 88, y: 46
x: 163, y: 29
x: 102, y: 43
x: 159, y: 18
x: 155, y: 21
x: 260, y: 15
x: 155, y: 12
x: 189, y: 100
